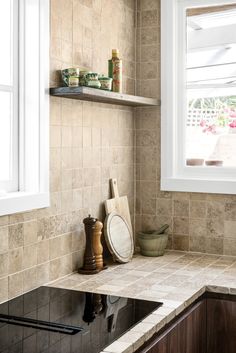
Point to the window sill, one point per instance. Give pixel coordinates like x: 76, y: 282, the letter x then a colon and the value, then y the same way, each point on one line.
x: 199, y: 185
x: 23, y: 201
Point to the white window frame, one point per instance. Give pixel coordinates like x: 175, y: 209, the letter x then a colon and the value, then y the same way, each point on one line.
x: 12, y: 183
x: 175, y: 176
x: 33, y: 132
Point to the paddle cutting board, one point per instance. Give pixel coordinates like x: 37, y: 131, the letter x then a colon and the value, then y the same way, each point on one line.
x: 118, y: 204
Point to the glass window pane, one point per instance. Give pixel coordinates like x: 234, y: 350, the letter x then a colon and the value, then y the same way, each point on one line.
x: 6, y: 40
x: 6, y: 133
x: 211, y: 78
x: 211, y: 130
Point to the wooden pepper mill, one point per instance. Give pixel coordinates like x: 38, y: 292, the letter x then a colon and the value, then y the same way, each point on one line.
x: 97, y: 245
x: 89, y: 267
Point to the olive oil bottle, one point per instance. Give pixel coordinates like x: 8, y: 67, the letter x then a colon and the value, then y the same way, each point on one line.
x: 115, y: 71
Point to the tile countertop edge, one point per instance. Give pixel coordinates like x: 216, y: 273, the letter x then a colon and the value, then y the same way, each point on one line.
x: 152, y: 324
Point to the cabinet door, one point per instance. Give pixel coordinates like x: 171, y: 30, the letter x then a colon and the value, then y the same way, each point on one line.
x: 166, y: 343
x: 186, y: 335
x: 192, y: 330
x: 221, y: 326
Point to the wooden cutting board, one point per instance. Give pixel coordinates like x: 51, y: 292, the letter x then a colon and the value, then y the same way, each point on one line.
x: 118, y: 204
x: 118, y: 237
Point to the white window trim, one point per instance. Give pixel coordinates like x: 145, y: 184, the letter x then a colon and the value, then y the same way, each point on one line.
x: 34, y: 111
x: 12, y: 183
x: 174, y: 175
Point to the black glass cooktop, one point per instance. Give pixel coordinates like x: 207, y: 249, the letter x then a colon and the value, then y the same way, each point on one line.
x: 52, y: 320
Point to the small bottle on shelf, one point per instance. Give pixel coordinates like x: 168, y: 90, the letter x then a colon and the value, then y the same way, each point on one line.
x: 115, y: 71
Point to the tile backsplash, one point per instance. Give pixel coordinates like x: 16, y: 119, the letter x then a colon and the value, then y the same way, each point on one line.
x: 198, y: 222
x: 89, y: 144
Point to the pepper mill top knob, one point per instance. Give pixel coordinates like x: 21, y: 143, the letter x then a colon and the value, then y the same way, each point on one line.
x: 89, y: 220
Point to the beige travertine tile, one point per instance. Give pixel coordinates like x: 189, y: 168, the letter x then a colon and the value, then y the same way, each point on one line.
x: 181, y: 225
x: 54, y: 269
x: 3, y: 239
x: 66, y: 244
x: 197, y: 243
x: 30, y: 279
x: 150, y: 36
x: 55, y: 248
x: 78, y: 131
x: 177, y: 279
x: 207, y: 212
x: 229, y: 246
x: 55, y: 136
x: 119, y: 347
x: 149, y: 70
x: 29, y: 256
x: 136, y: 338
x: 198, y: 227
x: 181, y: 208
x: 197, y: 209
x: 3, y: 264
x: 66, y: 136
x: 15, y: 260
x: 55, y: 112
x: 42, y: 275
x: 230, y: 229
x: 42, y: 251
x: 66, y: 265
x: 16, y: 238
x: 147, y: 5
x: 3, y: 289
x: 215, y: 209
x: 15, y: 285
x: 30, y: 232
x: 164, y: 207
x: 181, y: 242
x: 70, y: 123
x: 214, y: 245
x: 149, y: 18
x: 215, y: 227
x: 4, y: 220
x: 230, y: 211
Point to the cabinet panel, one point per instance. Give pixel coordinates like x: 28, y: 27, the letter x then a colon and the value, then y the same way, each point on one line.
x: 221, y: 326
x: 186, y: 335
x: 159, y: 347
x: 165, y: 343
x: 192, y: 330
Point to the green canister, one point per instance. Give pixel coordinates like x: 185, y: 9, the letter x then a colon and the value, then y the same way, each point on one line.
x: 115, y: 71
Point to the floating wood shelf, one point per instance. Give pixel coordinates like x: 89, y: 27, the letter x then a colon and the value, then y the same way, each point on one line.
x: 98, y: 95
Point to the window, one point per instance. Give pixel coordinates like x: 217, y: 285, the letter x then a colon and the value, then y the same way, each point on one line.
x: 199, y: 96
x: 9, y: 96
x: 211, y: 83
x: 24, y: 34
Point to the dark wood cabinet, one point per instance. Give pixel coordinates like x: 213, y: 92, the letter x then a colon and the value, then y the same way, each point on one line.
x: 187, y: 334
x: 192, y: 330
x: 164, y: 344
x: 208, y: 326
x: 221, y: 326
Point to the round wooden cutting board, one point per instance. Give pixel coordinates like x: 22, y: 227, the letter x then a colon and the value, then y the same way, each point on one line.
x: 119, y: 238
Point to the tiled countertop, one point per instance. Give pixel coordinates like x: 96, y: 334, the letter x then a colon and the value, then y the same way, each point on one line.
x: 177, y: 279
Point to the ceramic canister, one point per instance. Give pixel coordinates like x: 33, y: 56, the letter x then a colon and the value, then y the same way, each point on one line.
x: 70, y: 77
x: 82, y: 77
x: 106, y: 83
